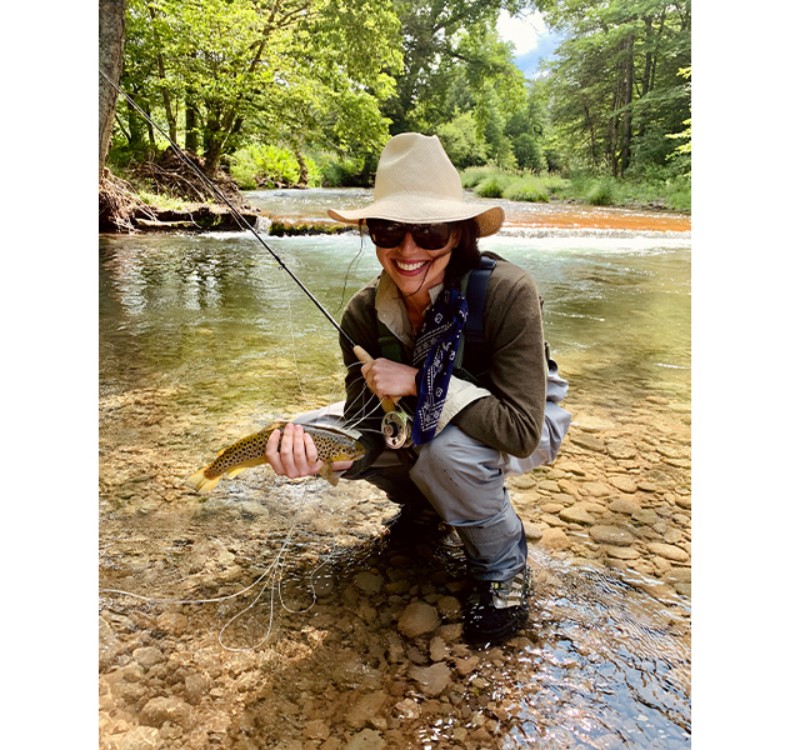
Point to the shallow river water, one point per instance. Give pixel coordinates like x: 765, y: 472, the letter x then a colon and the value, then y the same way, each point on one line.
x: 267, y: 615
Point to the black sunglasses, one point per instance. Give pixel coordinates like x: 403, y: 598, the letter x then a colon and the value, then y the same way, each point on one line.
x: 392, y: 233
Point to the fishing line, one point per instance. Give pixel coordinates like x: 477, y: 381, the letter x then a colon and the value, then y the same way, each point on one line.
x: 236, y: 214
x: 270, y: 577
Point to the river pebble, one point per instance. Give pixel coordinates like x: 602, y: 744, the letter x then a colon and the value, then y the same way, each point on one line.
x: 611, y: 535
x: 377, y: 660
x: 418, y: 618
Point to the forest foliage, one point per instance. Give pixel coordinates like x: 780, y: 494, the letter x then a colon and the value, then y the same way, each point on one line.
x: 306, y: 92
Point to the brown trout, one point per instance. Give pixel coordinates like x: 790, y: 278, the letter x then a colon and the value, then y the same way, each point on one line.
x: 333, y: 444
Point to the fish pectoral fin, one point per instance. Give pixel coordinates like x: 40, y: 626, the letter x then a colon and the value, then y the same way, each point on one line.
x: 327, y: 472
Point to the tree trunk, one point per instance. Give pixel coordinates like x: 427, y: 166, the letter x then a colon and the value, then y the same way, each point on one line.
x: 191, y: 126
x: 111, y: 41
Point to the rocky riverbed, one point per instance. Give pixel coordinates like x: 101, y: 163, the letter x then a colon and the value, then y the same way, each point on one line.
x: 299, y: 621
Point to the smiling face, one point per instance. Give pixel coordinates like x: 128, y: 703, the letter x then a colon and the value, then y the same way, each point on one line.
x: 415, y: 270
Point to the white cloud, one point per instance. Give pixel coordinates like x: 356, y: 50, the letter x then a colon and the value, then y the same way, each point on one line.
x: 524, y: 31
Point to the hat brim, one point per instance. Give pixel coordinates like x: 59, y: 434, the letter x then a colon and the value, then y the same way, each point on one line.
x: 426, y: 211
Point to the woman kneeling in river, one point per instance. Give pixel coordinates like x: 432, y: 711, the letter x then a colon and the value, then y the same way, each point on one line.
x: 474, y: 422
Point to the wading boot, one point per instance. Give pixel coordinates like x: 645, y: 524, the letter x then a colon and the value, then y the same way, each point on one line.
x: 496, y: 610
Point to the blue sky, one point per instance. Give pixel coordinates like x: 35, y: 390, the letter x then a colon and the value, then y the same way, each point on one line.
x: 531, y: 38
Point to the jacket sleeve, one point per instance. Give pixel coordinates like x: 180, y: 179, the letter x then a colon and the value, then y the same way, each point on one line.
x: 362, y: 411
x: 510, y: 418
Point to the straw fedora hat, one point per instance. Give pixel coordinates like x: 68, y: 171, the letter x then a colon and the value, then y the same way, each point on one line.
x: 416, y: 183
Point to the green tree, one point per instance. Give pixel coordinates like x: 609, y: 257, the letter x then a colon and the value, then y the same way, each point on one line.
x: 445, y: 45
x: 231, y: 66
x: 614, y: 88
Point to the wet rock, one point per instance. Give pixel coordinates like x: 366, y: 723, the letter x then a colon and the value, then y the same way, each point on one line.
x: 622, y: 553
x: 590, y: 442
x: 573, y: 467
x: 159, y: 710
x: 591, y: 423
x: 449, y: 607
x: 418, y: 618
x: 623, y: 483
x: 620, y: 450
x: 611, y: 535
x: 367, y: 739
x: 668, y: 551
x: 645, y: 516
x: 139, y: 738
x: 438, y: 648
x: 148, y: 656
x: 196, y: 686
x: 407, y: 709
x: 468, y: 665
x: 548, y: 485
x: 317, y: 729
x: 172, y: 622
x: 627, y: 505
x: 366, y: 709
x: 432, y: 680
x: 554, y: 539
x: 109, y: 645
x: 577, y: 514
x: 596, y: 489
x: 368, y: 583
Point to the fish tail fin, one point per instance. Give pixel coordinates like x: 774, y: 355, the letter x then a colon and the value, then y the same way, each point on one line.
x: 201, y: 482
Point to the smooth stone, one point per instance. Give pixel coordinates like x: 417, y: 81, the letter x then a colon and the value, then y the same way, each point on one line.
x: 418, y: 618
x: 368, y: 583
x: 577, y: 514
x: 554, y: 539
x: 622, y: 553
x: 596, y: 489
x: 573, y: 467
x: 533, y: 533
x: 589, y: 442
x: 627, y: 505
x: 432, y: 680
x: 668, y: 551
x: 148, y: 656
x: 623, y: 483
x: 366, y: 739
x: 611, y: 535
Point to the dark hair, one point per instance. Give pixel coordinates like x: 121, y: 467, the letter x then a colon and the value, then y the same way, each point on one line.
x: 466, y: 255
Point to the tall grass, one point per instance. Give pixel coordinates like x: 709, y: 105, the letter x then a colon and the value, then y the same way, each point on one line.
x: 652, y: 191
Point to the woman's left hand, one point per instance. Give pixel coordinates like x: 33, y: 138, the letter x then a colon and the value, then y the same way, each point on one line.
x: 388, y: 379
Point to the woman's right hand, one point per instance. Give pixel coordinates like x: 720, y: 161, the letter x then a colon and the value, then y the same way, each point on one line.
x: 291, y: 453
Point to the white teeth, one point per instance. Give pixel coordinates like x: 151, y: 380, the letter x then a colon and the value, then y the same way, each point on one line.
x: 410, y: 266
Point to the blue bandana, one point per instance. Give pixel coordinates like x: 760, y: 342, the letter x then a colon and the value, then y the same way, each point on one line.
x: 435, y: 354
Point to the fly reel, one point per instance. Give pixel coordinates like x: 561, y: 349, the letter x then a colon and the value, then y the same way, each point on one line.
x: 396, y: 427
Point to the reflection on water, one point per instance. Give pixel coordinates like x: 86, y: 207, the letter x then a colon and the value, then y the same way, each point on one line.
x: 202, y: 336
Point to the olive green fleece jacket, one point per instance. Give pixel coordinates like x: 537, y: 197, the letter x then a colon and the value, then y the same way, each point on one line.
x: 509, y: 412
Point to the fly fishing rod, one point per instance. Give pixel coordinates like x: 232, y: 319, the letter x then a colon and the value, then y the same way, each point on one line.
x: 240, y: 220
x: 396, y: 434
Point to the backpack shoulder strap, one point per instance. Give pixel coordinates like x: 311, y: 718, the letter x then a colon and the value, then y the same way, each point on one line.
x: 477, y: 281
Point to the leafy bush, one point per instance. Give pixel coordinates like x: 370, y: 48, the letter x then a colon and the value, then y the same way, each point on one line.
x: 601, y: 193
x: 471, y: 176
x: 493, y: 185
x: 259, y: 166
x: 531, y: 189
x: 348, y: 173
